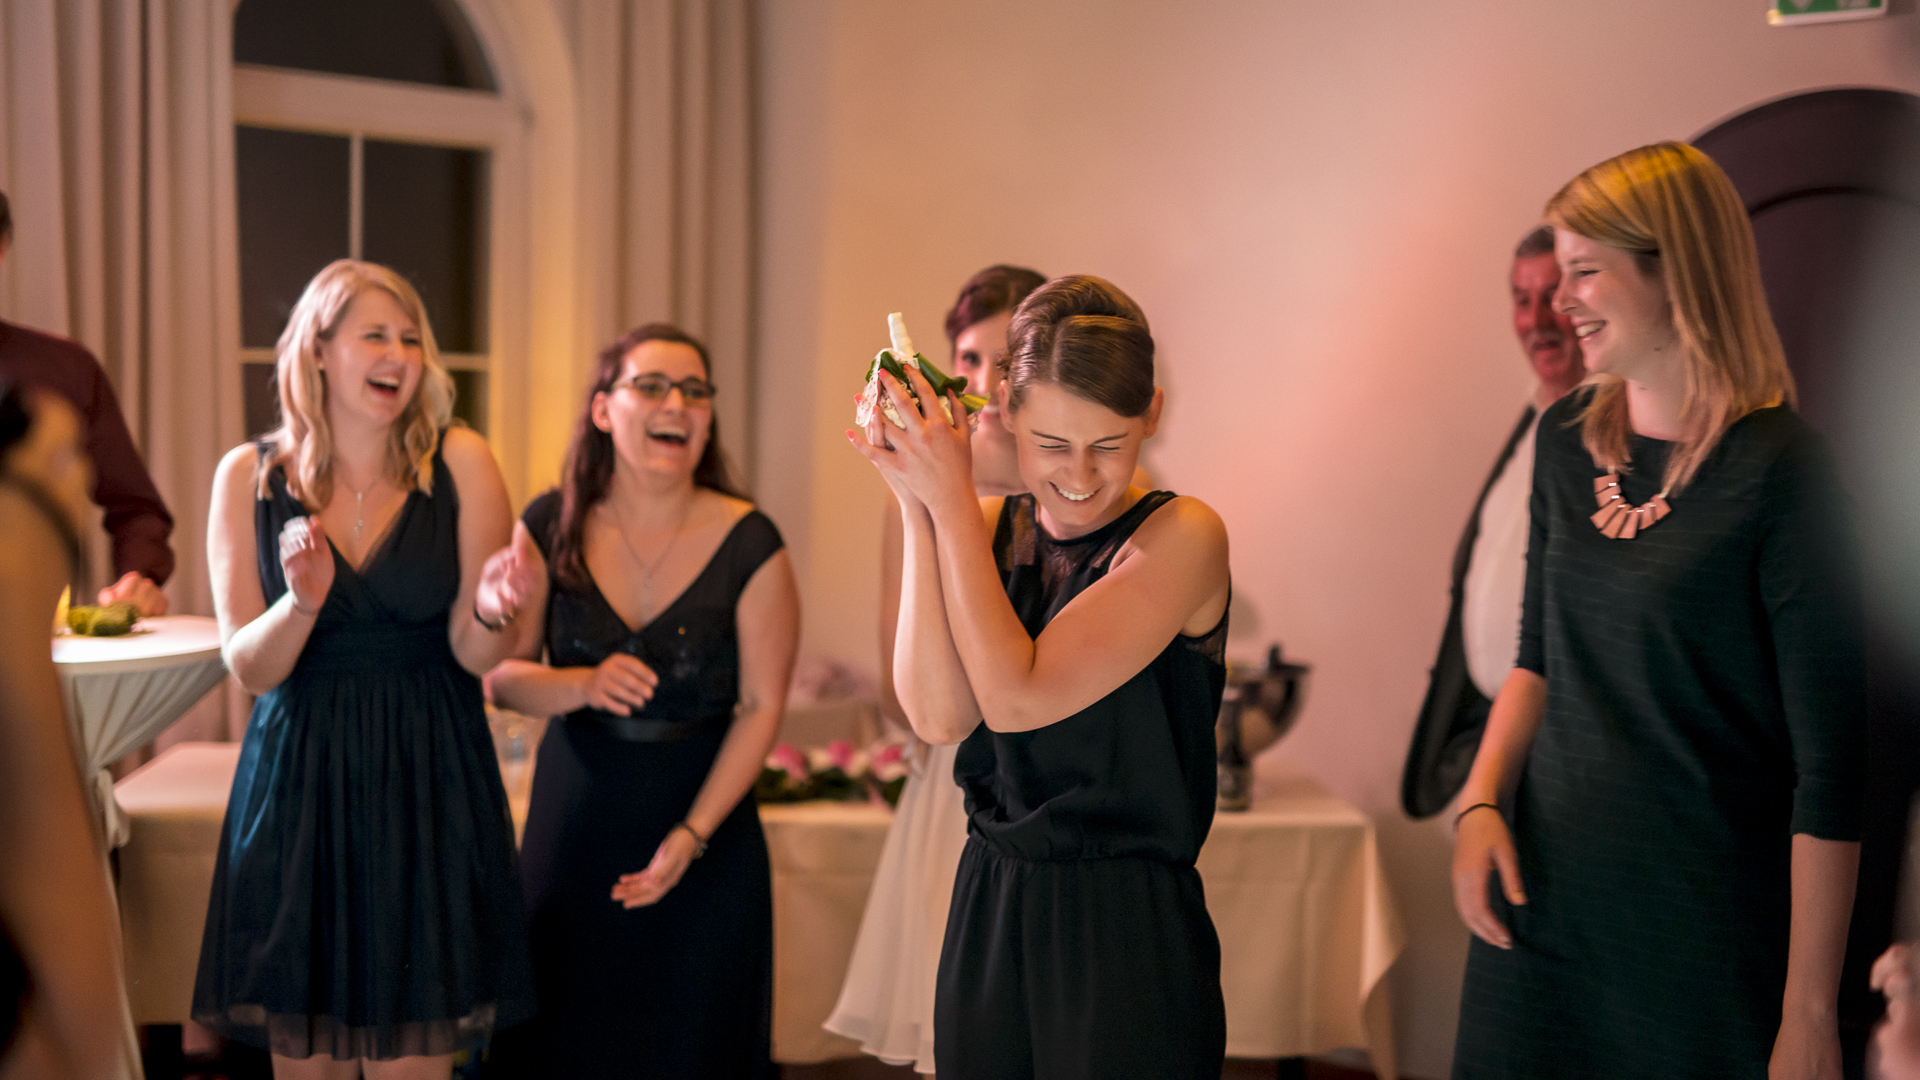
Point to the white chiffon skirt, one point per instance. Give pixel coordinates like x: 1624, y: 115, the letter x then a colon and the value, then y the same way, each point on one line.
x: 886, y: 1003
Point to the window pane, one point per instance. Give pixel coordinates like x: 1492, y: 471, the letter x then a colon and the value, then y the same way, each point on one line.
x: 418, y: 41
x: 293, y: 221
x: 422, y: 217
x: 263, y: 400
x: 470, y: 398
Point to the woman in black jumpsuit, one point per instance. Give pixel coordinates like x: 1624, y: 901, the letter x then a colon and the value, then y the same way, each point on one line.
x: 1091, y: 619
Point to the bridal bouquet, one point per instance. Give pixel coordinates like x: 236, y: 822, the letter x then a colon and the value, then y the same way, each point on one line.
x: 836, y: 771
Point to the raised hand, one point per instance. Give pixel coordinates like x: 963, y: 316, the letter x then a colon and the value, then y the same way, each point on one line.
x: 306, y: 561
x: 506, y: 581
x: 669, y: 862
x: 134, y: 588
x: 927, y: 457
x: 620, y: 684
x: 1483, y: 846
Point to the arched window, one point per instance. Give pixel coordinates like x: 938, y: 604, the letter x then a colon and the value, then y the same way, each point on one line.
x: 367, y: 129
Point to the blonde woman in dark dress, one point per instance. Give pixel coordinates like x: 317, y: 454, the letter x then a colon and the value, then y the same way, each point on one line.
x: 1668, y: 794
x: 365, y: 917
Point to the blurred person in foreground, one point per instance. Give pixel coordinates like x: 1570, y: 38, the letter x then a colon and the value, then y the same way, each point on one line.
x: 62, y: 1002
x: 136, y: 518
x: 1490, y: 564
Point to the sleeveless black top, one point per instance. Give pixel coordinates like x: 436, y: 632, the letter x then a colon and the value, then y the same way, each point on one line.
x: 1133, y: 774
x: 691, y: 644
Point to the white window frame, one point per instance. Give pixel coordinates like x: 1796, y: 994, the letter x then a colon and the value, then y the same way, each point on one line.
x: 362, y: 108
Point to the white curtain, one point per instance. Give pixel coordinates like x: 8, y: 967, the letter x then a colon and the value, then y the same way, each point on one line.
x: 666, y: 193
x: 116, y: 148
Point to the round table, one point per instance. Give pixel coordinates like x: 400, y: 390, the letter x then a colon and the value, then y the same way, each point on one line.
x: 122, y: 692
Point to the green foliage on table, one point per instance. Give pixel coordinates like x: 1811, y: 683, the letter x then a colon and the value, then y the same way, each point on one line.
x: 110, y: 620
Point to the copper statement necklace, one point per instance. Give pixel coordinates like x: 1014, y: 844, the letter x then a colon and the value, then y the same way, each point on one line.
x: 1618, y: 519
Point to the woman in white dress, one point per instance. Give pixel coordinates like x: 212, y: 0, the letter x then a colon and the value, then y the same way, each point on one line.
x: 886, y: 1003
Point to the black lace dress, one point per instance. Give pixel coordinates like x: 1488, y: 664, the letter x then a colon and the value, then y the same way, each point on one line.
x: 682, y: 988
x: 364, y: 900
x: 1078, y: 943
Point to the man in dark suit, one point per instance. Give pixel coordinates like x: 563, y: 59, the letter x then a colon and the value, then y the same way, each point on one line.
x: 136, y: 517
x: 1489, y: 567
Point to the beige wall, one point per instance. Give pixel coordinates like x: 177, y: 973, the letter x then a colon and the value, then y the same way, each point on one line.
x: 1315, y: 205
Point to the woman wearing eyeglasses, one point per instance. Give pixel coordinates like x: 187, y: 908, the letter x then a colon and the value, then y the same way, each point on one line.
x: 671, y: 617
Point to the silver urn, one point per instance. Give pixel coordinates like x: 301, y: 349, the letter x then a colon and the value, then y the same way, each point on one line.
x: 1258, y: 706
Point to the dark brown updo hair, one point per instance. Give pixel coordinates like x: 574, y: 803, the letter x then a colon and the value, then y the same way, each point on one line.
x: 1082, y: 333
x: 988, y: 293
x: 589, y: 468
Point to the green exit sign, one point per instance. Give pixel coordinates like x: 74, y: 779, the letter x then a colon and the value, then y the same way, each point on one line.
x: 1799, y: 12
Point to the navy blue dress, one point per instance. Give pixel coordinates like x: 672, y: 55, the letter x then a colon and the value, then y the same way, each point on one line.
x: 682, y: 988
x: 1078, y: 942
x: 365, y: 903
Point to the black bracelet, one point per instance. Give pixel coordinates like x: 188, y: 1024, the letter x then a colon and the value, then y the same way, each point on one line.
x: 506, y: 620
x: 699, y: 842
x: 1476, y: 806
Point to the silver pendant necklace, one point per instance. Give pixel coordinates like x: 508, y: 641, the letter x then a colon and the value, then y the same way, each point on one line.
x: 646, y: 569
x: 359, y: 508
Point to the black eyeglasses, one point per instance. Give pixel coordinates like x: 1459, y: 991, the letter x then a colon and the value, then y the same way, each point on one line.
x: 694, y: 390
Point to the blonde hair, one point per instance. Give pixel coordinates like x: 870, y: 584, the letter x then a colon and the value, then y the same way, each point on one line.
x: 304, y: 440
x: 1673, y: 209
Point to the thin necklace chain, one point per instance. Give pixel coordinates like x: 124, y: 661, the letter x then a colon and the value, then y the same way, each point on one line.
x: 646, y: 579
x: 360, y: 505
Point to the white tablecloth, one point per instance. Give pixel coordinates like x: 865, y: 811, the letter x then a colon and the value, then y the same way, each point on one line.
x: 122, y: 692
x: 1308, y: 931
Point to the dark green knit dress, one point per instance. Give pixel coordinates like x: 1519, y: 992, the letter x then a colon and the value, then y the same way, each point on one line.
x: 1704, y: 703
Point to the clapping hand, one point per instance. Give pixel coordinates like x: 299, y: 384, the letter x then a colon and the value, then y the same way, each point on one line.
x: 306, y: 561
x: 670, y: 861
x: 134, y: 588
x: 506, y: 581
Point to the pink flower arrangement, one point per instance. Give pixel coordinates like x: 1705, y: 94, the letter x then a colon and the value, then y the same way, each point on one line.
x: 838, y: 770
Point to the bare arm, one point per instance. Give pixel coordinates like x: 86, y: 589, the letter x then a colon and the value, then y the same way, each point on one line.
x: 486, y: 526
x: 768, y: 621
x: 1484, y: 844
x: 1173, y: 579
x: 54, y: 893
x: 260, y: 643
x: 892, y: 562
x: 1824, y: 872
x: 934, y: 689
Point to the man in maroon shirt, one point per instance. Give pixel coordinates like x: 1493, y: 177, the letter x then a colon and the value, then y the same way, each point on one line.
x: 135, y: 516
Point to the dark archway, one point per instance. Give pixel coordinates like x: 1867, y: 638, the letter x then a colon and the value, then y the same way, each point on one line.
x: 1831, y: 180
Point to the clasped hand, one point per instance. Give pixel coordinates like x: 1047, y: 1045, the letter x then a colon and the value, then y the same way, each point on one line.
x: 620, y: 684
x: 926, y: 458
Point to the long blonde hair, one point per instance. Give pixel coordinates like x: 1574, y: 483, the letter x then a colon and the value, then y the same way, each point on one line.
x: 304, y: 440
x: 1673, y: 209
